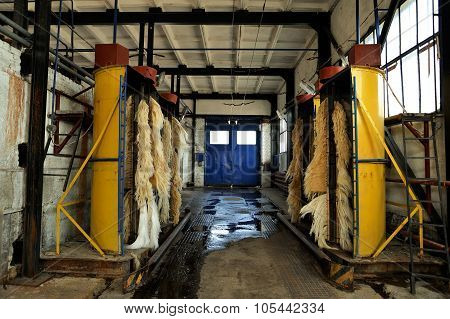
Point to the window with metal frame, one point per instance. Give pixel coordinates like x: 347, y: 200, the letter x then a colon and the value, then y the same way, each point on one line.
x: 219, y: 137
x: 410, y: 58
x: 246, y: 137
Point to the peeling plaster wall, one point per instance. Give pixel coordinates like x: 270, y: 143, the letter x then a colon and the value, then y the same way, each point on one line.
x: 14, y: 106
x: 186, y: 172
x: 13, y: 119
x: 199, y: 169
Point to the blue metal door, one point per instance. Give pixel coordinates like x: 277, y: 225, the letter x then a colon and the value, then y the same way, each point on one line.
x: 218, y: 162
x: 232, y: 154
x: 246, y: 159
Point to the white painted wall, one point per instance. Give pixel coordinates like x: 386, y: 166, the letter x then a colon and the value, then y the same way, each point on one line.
x: 14, y: 110
x: 219, y: 107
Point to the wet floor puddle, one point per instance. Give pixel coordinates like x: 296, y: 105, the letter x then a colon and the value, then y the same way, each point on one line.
x: 227, y: 217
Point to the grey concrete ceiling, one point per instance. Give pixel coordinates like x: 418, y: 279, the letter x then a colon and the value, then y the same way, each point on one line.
x: 195, y: 36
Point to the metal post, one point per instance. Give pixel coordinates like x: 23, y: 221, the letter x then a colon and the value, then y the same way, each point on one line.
x: 444, y: 46
x: 290, y: 101
x: 193, y: 17
x: 377, y: 20
x: 141, y: 43
x: 274, y: 133
x: 388, y: 18
x: 324, y: 45
x: 177, y: 106
x: 358, y: 26
x: 150, y: 43
x: 20, y: 12
x: 172, y: 83
x: 194, y: 129
x: 36, y: 139
x: 116, y: 4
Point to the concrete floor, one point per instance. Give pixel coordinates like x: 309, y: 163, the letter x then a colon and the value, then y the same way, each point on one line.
x: 58, y: 288
x: 234, y: 248
x: 227, y: 255
x: 277, y: 267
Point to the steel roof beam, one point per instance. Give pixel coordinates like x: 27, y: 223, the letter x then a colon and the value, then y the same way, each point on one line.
x: 210, y: 71
x: 197, y: 17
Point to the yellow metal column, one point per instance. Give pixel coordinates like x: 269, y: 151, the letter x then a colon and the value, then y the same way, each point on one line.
x: 104, y: 192
x: 372, y: 193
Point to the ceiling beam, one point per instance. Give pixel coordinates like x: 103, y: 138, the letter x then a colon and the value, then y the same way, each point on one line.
x: 208, y: 56
x: 173, y: 44
x: 127, y: 28
x: 237, y: 62
x: 273, y: 43
x: 65, y: 35
x: 156, y: 15
x: 210, y: 71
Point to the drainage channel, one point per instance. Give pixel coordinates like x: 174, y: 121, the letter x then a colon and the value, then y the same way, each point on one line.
x: 228, y: 216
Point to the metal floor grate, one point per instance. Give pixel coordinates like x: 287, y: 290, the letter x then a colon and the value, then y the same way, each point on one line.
x: 301, y: 278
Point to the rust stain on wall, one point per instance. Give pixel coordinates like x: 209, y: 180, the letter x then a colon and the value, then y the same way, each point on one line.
x: 15, y: 109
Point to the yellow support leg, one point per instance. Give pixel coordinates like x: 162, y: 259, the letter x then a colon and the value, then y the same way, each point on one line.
x: 400, y: 173
x: 75, y: 202
x: 387, y: 241
x: 420, y: 232
x: 88, y: 157
x: 60, y: 204
x: 93, y: 243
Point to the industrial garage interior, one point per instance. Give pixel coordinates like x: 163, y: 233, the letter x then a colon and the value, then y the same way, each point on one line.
x: 226, y: 149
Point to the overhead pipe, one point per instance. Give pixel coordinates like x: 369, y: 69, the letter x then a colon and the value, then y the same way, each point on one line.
x: 55, y: 64
x: 4, y: 30
x: 26, y: 43
x: 71, y: 71
x: 14, y: 25
x: 70, y: 63
x: 25, y: 32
